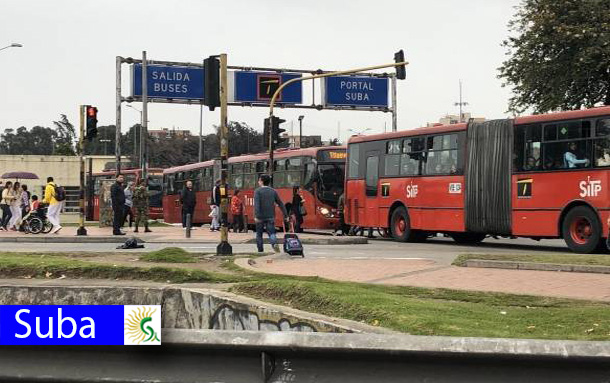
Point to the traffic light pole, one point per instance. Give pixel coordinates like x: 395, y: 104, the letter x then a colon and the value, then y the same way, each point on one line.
x: 313, y: 77
x: 81, y: 192
x: 224, y: 248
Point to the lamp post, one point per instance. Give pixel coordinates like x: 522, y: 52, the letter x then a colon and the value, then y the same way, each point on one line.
x: 359, y: 132
x: 301, y: 130
x: 135, y: 146
x: 13, y: 45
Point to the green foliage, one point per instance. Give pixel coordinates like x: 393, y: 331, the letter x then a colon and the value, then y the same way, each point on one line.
x: 40, y: 140
x: 559, y: 55
x: 562, y: 259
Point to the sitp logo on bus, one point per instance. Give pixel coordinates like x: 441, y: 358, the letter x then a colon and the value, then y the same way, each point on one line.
x: 590, y: 188
x: 412, y: 191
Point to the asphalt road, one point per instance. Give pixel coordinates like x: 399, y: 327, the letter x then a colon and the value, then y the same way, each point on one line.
x: 441, y: 250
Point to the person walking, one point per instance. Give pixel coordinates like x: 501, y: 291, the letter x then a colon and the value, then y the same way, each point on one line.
x: 140, y: 206
x: 7, y: 198
x: 188, y: 199
x: 54, y: 205
x: 265, y: 199
x: 297, y: 209
x: 341, y: 212
x: 25, y: 204
x: 237, y: 210
x: 128, y: 204
x: 215, y: 213
x: 117, y: 196
x: 15, y: 207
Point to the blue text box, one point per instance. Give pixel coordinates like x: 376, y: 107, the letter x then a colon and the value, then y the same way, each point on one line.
x: 173, y: 82
x: 356, y: 91
x: 258, y: 87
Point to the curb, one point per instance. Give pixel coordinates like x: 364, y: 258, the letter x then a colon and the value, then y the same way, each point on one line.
x: 510, y: 265
x: 74, y: 239
x: 321, y: 241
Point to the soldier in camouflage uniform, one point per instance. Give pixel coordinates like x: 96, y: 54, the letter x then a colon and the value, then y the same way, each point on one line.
x: 140, y: 205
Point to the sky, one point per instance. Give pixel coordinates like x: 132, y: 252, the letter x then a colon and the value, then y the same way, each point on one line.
x: 70, y: 46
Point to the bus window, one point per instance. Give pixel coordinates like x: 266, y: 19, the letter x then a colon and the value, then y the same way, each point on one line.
x: 155, y: 190
x: 354, y: 161
x: 279, y: 179
x: 527, y: 148
x: 261, y: 167
x: 208, y: 181
x: 280, y: 165
x: 247, y: 168
x: 372, y: 175
x: 330, y: 182
x: 308, y: 174
x: 602, y: 143
x: 250, y: 181
x: 442, y: 155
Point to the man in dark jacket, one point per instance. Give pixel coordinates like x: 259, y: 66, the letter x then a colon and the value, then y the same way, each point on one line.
x: 117, y: 196
x: 265, y: 199
x: 188, y: 200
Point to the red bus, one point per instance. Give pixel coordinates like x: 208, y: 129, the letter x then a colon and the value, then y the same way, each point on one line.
x: 541, y: 176
x: 318, y: 171
x: 155, y: 184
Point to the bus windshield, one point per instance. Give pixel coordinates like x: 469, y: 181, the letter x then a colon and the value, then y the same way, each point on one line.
x: 155, y: 189
x: 330, y: 182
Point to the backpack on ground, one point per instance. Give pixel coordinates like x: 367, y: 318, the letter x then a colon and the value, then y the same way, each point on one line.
x: 60, y: 193
x: 292, y: 243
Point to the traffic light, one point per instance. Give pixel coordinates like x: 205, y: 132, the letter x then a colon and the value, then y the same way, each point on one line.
x: 91, y: 118
x: 273, y: 123
x: 211, y: 70
x: 401, y: 70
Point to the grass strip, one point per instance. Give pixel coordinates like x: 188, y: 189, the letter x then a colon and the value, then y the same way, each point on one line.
x: 39, y: 266
x: 563, y: 259
x: 169, y: 255
x: 444, y: 312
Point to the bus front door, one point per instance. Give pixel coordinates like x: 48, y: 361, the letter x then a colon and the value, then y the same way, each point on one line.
x: 371, y: 217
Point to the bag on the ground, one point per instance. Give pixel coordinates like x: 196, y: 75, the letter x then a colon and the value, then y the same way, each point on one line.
x: 292, y: 243
x: 131, y: 243
x: 60, y: 193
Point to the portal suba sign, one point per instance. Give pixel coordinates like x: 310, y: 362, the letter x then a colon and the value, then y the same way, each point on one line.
x: 356, y: 91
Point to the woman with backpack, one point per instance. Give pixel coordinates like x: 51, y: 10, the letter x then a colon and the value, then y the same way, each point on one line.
x: 54, y: 197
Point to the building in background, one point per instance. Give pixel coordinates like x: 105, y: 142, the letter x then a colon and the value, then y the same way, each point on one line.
x: 306, y: 141
x: 455, y: 119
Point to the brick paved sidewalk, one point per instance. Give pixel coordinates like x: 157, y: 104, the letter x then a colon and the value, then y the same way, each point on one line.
x: 425, y: 273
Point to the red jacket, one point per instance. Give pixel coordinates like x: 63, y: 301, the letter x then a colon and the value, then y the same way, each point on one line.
x: 237, y: 207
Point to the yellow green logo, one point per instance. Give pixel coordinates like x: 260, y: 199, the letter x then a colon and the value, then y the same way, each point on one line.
x: 139, y: 328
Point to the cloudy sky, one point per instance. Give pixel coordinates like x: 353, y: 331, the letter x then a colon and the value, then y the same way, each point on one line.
x: 70, y: 47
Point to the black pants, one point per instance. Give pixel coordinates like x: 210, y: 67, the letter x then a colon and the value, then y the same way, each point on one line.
x: 127, y: 212
x: 238, y: 223
x: 298, y: 218
x: 117, y: 219
x: 187, y: 210
x: 6, y: 215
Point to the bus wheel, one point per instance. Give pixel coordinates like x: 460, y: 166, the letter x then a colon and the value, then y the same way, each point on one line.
x: 468, y: 238
x: 400, y: 225
x: 582, y: 230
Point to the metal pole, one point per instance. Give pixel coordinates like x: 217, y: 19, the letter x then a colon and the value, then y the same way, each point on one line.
x: 117, y: 137
x: 394, y: 104
x: 144, y: 123
x: 81, y: 193
x: 200, y: 158
x: 300, y: 132
x: 321, y: 75
x: 200, y: 133
x: 224, y: 248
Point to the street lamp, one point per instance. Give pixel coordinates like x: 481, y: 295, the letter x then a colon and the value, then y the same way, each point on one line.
x: 301, y: 129
x: 359, y: 132
x: 135, y: 146
x: 13, y: 45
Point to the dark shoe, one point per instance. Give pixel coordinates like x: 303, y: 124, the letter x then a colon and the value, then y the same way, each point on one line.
x: 119, y: 233
x: 136, y: 230
x: 147, y: 230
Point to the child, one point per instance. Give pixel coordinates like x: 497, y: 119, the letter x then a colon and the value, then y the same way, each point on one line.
x: 33, y: 207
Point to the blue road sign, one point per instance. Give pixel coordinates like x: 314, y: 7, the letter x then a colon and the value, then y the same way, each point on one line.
x: 169, y: 82
x: 356, y: 91
x: 258, y: 87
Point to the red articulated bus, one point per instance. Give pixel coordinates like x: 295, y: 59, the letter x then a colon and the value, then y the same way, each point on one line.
x: 318, y: 171
x: 155, y: 178
x: 541, y: 176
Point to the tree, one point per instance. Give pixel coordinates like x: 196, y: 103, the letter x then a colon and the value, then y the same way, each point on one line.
x: 65, y: 137
x: 559, y: 55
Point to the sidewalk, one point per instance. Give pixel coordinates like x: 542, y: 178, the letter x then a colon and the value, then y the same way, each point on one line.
x: 162, y: 234
x: 426, y: 273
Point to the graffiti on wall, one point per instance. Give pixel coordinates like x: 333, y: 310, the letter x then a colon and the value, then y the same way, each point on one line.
x: 226, y: 317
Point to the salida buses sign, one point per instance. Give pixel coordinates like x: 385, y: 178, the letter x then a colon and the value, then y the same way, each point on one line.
x: 165, y: 81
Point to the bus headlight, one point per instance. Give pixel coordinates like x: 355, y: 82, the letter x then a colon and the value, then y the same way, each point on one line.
x: 324, y: 211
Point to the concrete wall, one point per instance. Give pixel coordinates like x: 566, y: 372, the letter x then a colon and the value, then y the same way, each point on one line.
x: 188, y: 308
x: 64, y: 169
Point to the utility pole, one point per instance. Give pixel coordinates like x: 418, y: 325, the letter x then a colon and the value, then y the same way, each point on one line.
x: 461, y: 104
x: 200, y: 157
x: 117, y: 137
x: 144, y: 124
x: 224, y: 248
x: 301, y: 130
x: 81, y: 192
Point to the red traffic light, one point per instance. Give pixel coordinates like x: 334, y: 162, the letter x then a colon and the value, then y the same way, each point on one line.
x: 91, y: 111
